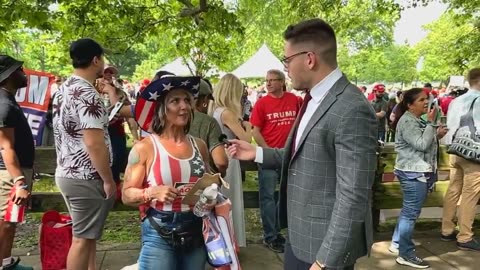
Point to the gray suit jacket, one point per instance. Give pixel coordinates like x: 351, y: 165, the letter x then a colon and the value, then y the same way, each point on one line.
x: 325, y: 190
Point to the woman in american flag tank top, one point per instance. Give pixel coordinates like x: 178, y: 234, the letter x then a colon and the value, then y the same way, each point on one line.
x: 161, y: 169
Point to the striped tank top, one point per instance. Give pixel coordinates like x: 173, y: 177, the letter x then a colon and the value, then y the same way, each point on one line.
x: 171, y: 171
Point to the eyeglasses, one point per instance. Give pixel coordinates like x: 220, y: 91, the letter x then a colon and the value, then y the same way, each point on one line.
x: 272, y: 80
x: 286, y: 60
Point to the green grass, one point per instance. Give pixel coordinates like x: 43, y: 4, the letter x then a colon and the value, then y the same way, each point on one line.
x: 251, y: 181
x: 122, y: 227
x: 45, y: 184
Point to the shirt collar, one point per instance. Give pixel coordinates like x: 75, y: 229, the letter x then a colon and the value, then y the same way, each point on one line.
x: 321, y: 88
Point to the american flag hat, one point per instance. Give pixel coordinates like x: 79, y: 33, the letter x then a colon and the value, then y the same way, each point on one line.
x: 145, y: 105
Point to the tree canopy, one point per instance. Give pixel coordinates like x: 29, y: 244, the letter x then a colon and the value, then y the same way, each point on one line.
x: 142, y: 35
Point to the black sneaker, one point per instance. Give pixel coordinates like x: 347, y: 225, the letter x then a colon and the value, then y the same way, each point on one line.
x: 281, y: 239
x: 414, y: 262
x: 16, y: 266
x: 450, y: 237
x: 471, y: 245
x: 275, y: 245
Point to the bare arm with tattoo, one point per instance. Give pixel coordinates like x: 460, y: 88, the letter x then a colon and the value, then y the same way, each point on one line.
x: 133, y: 192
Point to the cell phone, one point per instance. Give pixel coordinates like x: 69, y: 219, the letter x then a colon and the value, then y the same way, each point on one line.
x: 430, y: 103
x: 223, y: 139
x: 443, y: 120
x: 115, y: 110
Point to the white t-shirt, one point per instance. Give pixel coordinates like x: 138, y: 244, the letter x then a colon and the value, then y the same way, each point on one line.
x: 77, y: 106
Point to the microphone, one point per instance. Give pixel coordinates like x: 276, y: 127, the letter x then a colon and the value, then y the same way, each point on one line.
x: 223, y: 139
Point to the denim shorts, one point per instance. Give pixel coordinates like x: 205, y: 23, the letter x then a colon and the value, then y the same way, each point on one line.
x: 157, y: 253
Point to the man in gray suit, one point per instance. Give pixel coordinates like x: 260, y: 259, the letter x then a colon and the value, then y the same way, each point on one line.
x: 329, y: 160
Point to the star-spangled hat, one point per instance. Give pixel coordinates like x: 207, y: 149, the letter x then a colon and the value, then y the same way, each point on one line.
x: 145, y: 105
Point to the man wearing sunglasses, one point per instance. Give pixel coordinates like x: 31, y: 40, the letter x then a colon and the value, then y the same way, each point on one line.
x: 272, y: 119
x: 16, y: 159
x: 328, y: 163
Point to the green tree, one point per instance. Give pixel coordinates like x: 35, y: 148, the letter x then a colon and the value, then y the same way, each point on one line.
x: 210, y: 33
x: 202, y: 30
x: 38, y: 49
x: 450, y: 48
x: 265, y: 22
x: 391, y: 63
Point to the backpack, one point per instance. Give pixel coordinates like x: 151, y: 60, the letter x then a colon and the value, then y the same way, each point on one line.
x: 466, y: 140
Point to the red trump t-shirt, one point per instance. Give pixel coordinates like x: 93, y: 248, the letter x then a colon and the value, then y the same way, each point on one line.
x: 275, y: 117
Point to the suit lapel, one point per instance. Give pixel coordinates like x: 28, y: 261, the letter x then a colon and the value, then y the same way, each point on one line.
x: 325, y: 104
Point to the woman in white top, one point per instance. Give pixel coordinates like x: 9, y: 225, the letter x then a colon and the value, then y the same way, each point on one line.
x: 227, y: 110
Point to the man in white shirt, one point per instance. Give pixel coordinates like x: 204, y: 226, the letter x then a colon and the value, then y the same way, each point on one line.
x: 84, y: 154
x: 464, y: 174
x: 329, y: 161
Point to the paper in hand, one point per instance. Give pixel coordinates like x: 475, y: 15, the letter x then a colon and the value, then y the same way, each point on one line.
x: 207, y: 179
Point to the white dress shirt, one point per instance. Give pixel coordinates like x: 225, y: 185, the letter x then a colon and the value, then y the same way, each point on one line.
x: 318, y: 93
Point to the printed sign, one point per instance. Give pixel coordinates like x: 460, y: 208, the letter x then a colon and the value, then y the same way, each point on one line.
x: 34, y: 100
x: 184, y: 188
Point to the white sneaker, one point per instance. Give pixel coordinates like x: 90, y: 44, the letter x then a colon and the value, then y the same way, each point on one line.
x: 393, y: 249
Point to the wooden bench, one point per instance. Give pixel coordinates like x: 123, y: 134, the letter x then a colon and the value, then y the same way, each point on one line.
x: 45, y: 162
x: 387, y: 192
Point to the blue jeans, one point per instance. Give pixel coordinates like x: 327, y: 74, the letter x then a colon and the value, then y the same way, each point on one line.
x: 414, y: 195
x: 119, y: 151
x: 267, y: 182
x: 381, y: 136
x: 157, y: 253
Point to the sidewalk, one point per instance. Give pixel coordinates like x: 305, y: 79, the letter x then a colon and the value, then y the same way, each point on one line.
x: 440, y: 255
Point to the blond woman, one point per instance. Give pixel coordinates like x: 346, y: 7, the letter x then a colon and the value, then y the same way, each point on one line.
x: 226, y: 109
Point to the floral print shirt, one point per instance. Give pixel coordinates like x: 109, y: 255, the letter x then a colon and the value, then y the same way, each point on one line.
x: 77, y: 106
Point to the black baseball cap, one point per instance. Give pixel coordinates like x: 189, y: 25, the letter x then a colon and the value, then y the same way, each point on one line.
x: 8, y: 65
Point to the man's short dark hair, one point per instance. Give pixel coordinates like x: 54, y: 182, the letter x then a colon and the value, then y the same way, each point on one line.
x: 317, y: 32
x: 83, y: 51
x: 427, y: 85
x: 474, y: 76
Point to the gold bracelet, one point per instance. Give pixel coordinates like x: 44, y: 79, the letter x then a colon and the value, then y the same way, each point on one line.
x: 319, y: 264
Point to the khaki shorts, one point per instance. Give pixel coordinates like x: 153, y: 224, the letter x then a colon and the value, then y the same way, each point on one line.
x: 87, y: 205
x: 6, y: 184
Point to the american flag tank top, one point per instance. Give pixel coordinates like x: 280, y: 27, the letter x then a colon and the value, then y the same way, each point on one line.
x: 171, y: 171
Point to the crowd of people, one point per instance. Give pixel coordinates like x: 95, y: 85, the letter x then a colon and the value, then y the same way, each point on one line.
x: 319, y: 146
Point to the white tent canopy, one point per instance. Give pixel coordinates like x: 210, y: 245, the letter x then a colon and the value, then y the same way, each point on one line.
x: 178, y: 67
x: 258, y: 65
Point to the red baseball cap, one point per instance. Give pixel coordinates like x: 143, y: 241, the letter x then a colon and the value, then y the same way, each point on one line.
x: 380, y: 88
